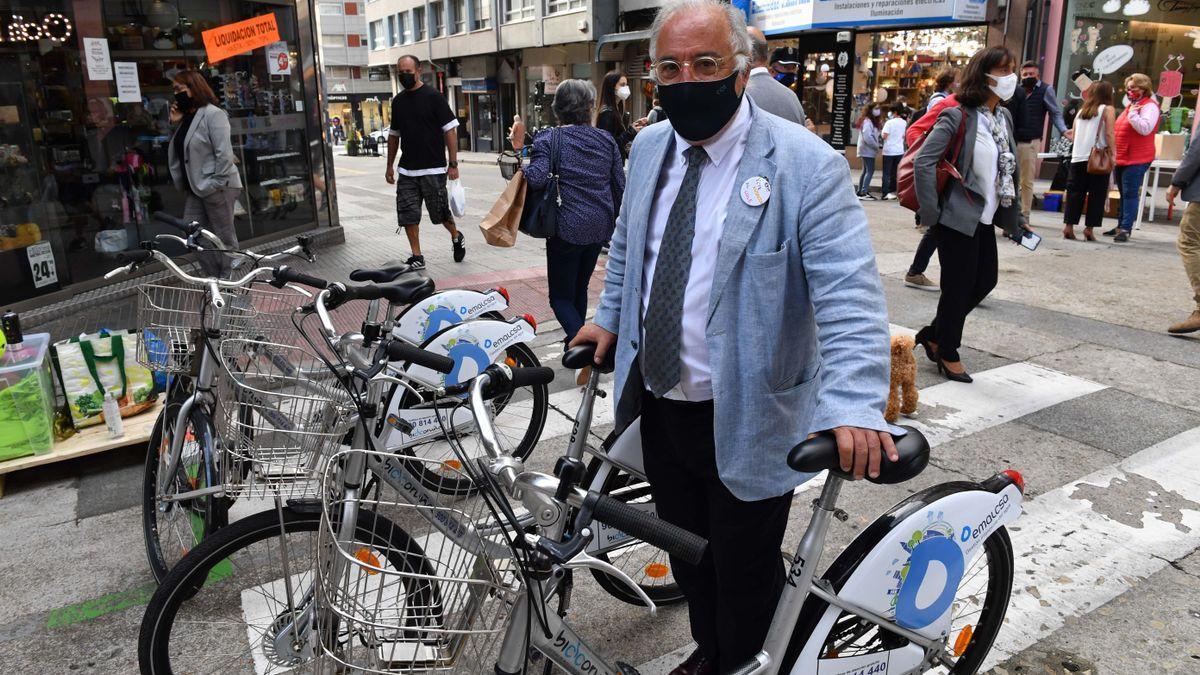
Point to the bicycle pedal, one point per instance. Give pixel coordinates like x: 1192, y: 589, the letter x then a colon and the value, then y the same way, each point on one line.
x: 626, y: 669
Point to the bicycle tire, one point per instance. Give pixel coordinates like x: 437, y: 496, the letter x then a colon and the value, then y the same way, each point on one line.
x: 204, y: 515
x: 631, y: 489
x: 999, y: 556
x: 517, y: 355
x: 192, y: 575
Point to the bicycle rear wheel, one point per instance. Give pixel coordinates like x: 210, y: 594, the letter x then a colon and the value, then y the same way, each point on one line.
x: 239, y: 618
x: 173, y: 528
x: 518, y: 417
x: 648, y: 566
x: 977, y: 613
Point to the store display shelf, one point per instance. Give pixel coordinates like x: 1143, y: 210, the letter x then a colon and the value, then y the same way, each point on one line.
x: 281, y: 155
x: 89, y: 441
x: 280, y: 181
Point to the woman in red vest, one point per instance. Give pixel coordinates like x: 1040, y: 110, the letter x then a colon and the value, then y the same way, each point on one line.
x: 1135, y: 150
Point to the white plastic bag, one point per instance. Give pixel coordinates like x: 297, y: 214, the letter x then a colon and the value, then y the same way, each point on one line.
x: 111, y: 241
x: 458, y: 198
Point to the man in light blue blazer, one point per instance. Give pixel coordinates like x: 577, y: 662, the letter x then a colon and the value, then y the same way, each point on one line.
x: 743, y: 302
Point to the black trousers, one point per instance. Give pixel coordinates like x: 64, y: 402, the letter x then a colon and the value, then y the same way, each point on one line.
x: 925, y: 250
x: 569, y: 270
x: 891, y: 166
x: 1082, y: 186
x: 969, y: 269
x: 732, y: 593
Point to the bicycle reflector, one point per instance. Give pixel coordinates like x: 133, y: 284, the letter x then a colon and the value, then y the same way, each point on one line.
x: 503, y: 291
x: 1015, y: 477
x: 530, y: 320
x: 964, y: 637
x: 368, y: 559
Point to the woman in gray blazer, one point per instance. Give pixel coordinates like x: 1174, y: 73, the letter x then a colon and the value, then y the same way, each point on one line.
x: 965, y: 211
x: 203, y: 167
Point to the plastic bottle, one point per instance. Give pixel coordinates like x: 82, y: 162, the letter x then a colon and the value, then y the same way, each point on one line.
x: 112, y: 416
x: 10, y: 323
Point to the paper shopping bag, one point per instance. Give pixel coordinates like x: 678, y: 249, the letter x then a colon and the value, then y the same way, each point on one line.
x: 90, y: 365
x: 500, y: 225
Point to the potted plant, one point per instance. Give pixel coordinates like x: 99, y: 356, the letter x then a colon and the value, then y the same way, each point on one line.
x: 352, y: 144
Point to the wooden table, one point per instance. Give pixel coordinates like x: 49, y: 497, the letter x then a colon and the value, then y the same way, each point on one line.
x: 89, y: 441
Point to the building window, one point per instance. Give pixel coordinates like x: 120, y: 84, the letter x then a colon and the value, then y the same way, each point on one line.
x: 418, y: 24
x: 558, y: 6
x: 402, y: 24
x: 439, y: 18
x: 518, y: 10
x: 459, y: 20
x: 351, y: 9
x: 375, y: 30
x: 355, y: 73
x: 481, y: 14
x: 331, y: 9
x: 391, y: 25
x: 338, y: 72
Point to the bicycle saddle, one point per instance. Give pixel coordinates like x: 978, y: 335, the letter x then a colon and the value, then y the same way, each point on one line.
x: 410, y: 289
x: 820, y: 453
x: 381, y: 275
x: 584, y: 355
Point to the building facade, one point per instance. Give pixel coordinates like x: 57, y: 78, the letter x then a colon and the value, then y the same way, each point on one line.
x: 85, y: 99
x: 356, y: 95
x: 493, y: 59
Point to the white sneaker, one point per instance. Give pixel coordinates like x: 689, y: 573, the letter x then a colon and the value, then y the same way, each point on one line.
x: 889, y: 196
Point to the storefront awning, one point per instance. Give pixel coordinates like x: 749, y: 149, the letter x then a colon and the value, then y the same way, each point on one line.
x: 611, y: 47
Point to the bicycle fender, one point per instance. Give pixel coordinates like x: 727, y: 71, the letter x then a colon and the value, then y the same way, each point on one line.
x: 886, y: 569
x: 421, y: 321
x: 474, y: 345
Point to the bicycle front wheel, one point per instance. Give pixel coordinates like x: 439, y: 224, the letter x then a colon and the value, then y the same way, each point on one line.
x: 173, y: 528
x: 225, y: 608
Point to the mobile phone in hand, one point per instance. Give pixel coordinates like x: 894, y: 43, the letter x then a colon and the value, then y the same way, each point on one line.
x: 1027, y: 238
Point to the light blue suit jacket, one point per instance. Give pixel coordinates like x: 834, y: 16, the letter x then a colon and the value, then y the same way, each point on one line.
x: 797, y: 324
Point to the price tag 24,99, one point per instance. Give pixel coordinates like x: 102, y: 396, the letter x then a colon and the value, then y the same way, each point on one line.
x: 41, y: 263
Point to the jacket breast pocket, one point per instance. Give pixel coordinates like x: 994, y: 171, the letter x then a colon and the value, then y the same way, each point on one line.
x: 768, y: 260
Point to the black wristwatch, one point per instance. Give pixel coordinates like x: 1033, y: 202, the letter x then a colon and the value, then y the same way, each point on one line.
x: 452, y: 165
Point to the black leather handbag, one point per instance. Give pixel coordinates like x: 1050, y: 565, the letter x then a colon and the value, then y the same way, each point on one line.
x: 540, y: 217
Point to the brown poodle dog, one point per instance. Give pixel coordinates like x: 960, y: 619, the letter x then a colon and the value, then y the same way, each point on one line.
x: 902, y: 398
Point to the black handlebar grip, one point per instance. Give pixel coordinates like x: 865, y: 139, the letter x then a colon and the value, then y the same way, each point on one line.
x: 287, y: 275
x: 399, y: 350
x: 362, y: 293
x: 530, y: 377
x: 168, y: 219
x: 675, y: 540
x: 138, y: 256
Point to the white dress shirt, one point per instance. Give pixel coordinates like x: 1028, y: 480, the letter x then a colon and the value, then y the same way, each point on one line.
x: 712, y: 197
x: 986, y: 164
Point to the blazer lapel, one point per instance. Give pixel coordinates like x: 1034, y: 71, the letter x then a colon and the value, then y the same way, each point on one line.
x: 967, y: 168
x: 741, y: 219
x: 650, y: 161
x: 200, y: 114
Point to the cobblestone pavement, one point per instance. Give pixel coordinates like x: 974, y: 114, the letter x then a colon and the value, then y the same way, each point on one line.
x: 1077, y: 386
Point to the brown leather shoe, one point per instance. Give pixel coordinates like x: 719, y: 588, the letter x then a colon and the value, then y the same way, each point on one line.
x: 696, y: 664
x: 1188, y: 325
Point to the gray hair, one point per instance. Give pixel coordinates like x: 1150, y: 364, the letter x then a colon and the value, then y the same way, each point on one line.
x: 762, y: 50
x: 573, y: 101
x: 739, y: 39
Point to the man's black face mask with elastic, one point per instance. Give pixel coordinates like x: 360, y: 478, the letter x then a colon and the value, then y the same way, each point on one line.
x: 698, y: 110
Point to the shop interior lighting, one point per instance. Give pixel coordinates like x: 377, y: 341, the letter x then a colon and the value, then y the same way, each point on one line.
x: 1136, y: 8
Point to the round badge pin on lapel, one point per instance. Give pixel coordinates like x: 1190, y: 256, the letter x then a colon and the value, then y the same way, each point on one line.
x: 756, y: 191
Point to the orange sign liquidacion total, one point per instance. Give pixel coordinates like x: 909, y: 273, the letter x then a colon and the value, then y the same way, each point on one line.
x: 232, y: 39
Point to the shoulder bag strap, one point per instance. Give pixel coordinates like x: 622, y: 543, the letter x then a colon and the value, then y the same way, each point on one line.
x: 1099, y: 127
x: 555, y: 140
x: 959, y: 135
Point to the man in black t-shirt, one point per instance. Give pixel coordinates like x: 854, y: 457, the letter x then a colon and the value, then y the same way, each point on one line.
x: 424, y: 129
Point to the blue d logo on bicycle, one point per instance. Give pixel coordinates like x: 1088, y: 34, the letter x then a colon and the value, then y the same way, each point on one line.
x: 936, y: 549
x: 438, y: 317
x: 463, y: 351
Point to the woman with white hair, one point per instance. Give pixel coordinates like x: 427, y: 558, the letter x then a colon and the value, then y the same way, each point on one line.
x: 591, y: 181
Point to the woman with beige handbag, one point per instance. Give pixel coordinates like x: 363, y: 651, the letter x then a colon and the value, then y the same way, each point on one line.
x: 1091, y: 161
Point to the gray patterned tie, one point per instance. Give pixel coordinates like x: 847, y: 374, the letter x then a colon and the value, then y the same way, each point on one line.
x: 664, y: 313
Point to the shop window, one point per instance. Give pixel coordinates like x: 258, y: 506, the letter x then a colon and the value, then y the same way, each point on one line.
x: 559, y: 6
x: 518, y: 10
x: 418, y: 24
x: 438, y: 14
x: 459, y: 19
x: 83, y: 165
x: 330, y: 9
x: 351, y: 9
x: 481, y: 14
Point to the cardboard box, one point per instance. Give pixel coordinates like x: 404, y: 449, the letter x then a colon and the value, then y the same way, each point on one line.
x: 1169, y: 146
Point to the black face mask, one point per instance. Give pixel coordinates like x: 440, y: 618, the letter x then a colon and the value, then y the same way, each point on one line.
x: 1029, y: 82
x: 786, y: 79
x: 183, y: 100
x: 698, y: 110
x: 407, y: 80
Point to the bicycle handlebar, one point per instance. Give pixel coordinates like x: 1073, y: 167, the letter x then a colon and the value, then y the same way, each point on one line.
x: 645, y: 526
x: 286, y: 275
x: 399, y: 350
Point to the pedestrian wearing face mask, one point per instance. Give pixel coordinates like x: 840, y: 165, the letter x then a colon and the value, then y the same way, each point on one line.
x: 963, y: 215
x: 893, y: 148
x: 767, y: 92
x: 1135, y: 150
x: 869, y: 125
x: 610, y: 111
x: 203, y: 166
x: 743, y: 303
x: 1038, y: 101
x: 425, y: 130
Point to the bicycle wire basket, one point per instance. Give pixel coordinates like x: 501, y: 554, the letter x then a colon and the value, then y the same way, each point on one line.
x: 509, y: 162
x: 171, y: 318
x: 278, y: 420
x: 421, y: 585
